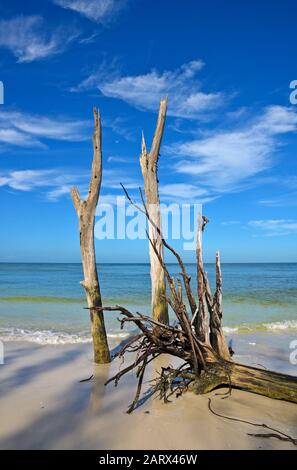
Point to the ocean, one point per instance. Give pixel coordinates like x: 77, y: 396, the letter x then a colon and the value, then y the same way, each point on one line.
x: 45, y: 303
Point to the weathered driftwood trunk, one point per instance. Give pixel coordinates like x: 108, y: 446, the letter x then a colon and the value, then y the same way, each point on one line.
x: 208, y: 324
x: 251, y: 379
x: 201, y: 323
x: 149, y: 168
x: 197, y: 337
x: 217, y: 337
x: 86, y: 215
x: 206, y: 363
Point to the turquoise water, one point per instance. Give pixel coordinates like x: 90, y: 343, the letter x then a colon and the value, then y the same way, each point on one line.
x: 45, y: 302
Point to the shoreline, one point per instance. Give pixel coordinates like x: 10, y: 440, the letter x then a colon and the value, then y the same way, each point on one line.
x: 44, y: 406
x: 270, y: 347
x: 52, y: 336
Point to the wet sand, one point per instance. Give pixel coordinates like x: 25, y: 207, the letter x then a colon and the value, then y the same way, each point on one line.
x: 44, y: 406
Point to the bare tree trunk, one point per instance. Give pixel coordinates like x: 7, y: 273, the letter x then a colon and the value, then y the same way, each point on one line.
x: 201, y: 319
x: 205, y: 365
x: 197, y: 341
x: 149, y: 168
x: 217, y: 337
x: 86, y: 215
x: 251, y: 379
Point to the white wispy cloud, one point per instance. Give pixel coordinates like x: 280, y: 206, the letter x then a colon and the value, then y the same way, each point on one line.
x: 55, y: 183
x: 228, y: 160
x: 112, y: 179
x: 275, y: 227
x: 117, y: 158
x: 282, y: 200
x: 28, y: 39
x: 186, y: 98
x: 30, y: 180
x: 10, y: 136
x: 107, y: 200
x: 100, y: 11
x: 88, y: 39
x: 119, y: 126
x: 181, y: 192
x: 59, y: 191
x: 27, y: 130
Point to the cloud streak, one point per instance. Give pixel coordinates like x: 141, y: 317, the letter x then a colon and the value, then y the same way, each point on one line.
x: 184, y: 193
x: 229, y: 160
x: 28, y: 40
x: 27, y: 130
x: 99, y: 11
x: 282, y: 200
x: 275, y: 227
x: 55, y: 183
x: 144, y: 92
x: 30, y: 180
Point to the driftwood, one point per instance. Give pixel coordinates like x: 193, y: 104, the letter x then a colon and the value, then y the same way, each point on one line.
x: 206, y: 363
x: 149, y: 168
x: 277, y: 434
x: 85, y: 210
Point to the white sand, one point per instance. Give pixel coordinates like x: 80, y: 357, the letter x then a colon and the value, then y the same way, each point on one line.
x: 43, y: 406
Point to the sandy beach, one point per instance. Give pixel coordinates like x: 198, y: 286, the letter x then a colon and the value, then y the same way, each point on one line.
x: 44, y: 406
x: 148, y: 182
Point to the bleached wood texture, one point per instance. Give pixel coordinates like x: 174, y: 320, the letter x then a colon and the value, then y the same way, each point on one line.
x: 149, y: 168
x: 217, y: 337
x: 201, y: 323
x: 85, y: 210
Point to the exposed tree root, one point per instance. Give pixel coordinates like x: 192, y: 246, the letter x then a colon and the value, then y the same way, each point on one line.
x: 88, y: 379
x: 198, y: 341
x: 215, y: 372
x: 276, y: 434
x: 251, y: 379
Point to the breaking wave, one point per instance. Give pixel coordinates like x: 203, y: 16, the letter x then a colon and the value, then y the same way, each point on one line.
x: 52, y: 337
x: 60, y: 337
x: 265, y: 326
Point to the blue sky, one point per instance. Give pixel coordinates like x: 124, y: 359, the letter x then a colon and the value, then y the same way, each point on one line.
x: 230, y: 137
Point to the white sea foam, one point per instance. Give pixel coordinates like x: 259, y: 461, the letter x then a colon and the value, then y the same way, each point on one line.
x: 121, y: 335
x: 61, y: 337
x: 51, y: 337
x: 229, y: 329
x: 282, y: 325
x: 272, y: 326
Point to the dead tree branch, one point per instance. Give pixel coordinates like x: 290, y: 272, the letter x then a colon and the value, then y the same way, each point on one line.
x: 149, y: 168
x: 85, y: 210
x: 206, y: 362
